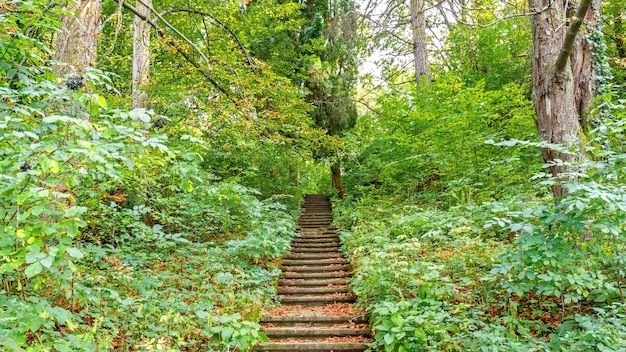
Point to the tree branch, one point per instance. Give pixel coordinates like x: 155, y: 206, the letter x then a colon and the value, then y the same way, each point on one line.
x: 178, y: 33
x: 178, y: 48
x: 504, y: 18
x: 568, y: 44
x: 232, y: 34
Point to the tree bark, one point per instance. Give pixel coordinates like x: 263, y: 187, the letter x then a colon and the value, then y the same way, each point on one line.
x: 338, y: 179
x: 618, y: 35
x: 420, y: 48
x: 77, y: 42
x: 585, y: 80
x: 553, y: 88
x: 141, y: 55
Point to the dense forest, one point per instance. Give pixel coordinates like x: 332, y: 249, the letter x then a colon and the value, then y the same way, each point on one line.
x: 154, y: 157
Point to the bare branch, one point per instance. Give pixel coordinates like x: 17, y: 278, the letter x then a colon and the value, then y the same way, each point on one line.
x: 230, y: 31
x: 384, y: 29
x: 504, y: 18
x: 179, y: 49
x: 178, y: 33
x: 118, y: 26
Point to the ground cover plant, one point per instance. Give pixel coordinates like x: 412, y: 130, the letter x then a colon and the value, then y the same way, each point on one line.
x: 153, y: 162
x: 113, y: 236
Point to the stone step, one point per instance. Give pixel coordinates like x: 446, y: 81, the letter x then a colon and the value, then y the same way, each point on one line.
x: 310, y: 347
x: 289, y: 262
x: 313, y: 290
x: 316, y: 268
x: 276, y: 333
x: 329, y: 275
x: 313, y: 282
x: 314, y: 319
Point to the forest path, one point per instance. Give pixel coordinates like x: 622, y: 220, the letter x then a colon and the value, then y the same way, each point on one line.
x: 317, y: 312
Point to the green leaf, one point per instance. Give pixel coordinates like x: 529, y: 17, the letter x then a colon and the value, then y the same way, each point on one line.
x: 102, y: 102
x: 74, y: 252
x: 420, y: 334
x: 33, y: 269
x: 226, y: 333
x: 187, y: 186
x: 389, y: 339
x: 202, y: 314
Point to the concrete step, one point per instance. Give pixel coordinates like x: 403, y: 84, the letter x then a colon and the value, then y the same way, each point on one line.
x: 310, y: 347
x: 308, y: 301
x: 289, y: 262
x: 315, y: 244
x: 313, y: 290
x: 317, y: 268
x: 315, y: 319
x: 330, y: 275
x: 317, y: 237
x: 333, y: 246
x: 312, y: 256
x: 332, y: 249
x: 319, y: 229
x: 313, y: 282
x: 314, y: 332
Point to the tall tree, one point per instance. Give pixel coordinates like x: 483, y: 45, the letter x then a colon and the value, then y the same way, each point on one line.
x: 553, y: 83
x: 582, y: 64
x: 141, y: 54
x: 420, y: 48
x: 332, y: 78
x: 77, y: 41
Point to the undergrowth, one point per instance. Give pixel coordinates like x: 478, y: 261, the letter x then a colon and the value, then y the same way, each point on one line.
x: 435, y: 280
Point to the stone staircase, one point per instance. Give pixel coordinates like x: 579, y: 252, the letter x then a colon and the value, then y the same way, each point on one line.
x: 316, y: 312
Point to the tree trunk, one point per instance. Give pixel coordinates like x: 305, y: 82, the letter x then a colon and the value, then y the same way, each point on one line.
x: 141, y: 55
x: 420, y: 49
x: 582, y: 66
x: 553, y: 90
x: 618, y: 34
x: 77, y: 42
x: 337, y: 179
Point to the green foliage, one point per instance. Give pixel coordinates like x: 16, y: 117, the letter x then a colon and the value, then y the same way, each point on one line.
x: 432, y: 140
x: 456, y: 244
x: 111, y: 231
x: 494, y: 55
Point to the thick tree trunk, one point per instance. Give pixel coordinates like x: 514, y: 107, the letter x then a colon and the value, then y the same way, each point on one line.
x: 553, y: 90
x: 582, y: 66
x: 338, y: 179
x: 77, y: 42
x: 420, y: 48
x: 141, y: 55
